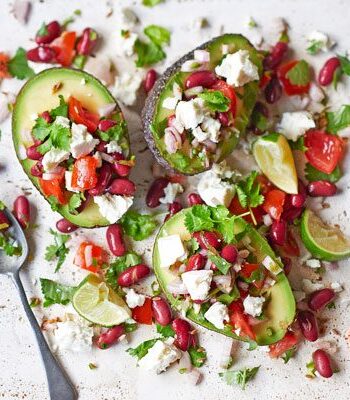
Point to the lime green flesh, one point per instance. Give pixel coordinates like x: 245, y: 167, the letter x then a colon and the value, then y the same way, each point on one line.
x: 246, y: 99
x: 280, y: 309
x: 323, y: 241
x: 40, y: 94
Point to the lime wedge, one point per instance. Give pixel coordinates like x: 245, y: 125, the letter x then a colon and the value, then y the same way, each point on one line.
x: 275, y: 159
x: 98, y: 303
x: 323, y: 241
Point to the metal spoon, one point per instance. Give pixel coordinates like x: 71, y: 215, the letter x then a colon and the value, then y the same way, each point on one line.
x: 60, y: 387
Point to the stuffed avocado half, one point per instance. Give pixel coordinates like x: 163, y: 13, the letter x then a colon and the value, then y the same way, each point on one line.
x: 71, y: 139
x: 198, y: 109
x: 223, y: 274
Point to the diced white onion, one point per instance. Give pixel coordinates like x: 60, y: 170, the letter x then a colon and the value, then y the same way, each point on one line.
x: 202, y: 55
x: 106, y: 109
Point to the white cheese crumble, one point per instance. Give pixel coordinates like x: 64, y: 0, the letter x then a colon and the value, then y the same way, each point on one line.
x: 321, y: 39
x: 253, y: 305
x: 134, y: 299
x: 313, y: 263
x: 63, y: 121
x: 126, y: 87
x: 126, y: 42
x: 197, y: 283
x: 171, y: 249
x: 113, y: 207
x: 217, y: 314
x: 190, y: 113
x: 170, y: 103
x: 211, y: 128
x: 308, y: 286
x: 337, y: 287
x: 295, y: 124
x: 113, y: 147
x: 238, y: 69
x: 271, y: 265
x: 170, y: 193
x: 53, y: 158
x: 82, y: 142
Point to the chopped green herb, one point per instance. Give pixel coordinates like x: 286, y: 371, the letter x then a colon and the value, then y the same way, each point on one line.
x: 18, y: 65
x: 77, y: 12
x: 289, y: 354
x: 336, y: 78
x: 2, y: 205
x: 228, y: 298
x: 248, y: 191
x: 166, y: 331
x: 311, y: 370
x: 338, y: 120
x: 314, y: 47
x: 142, y: 349
x: 79, y: 61
x: 344, y: 64
x: 75, y: 202
x: 148, y: 53
x: 313, y: 174
x: 9, y: 245
x: 252, y: 23
x: 92, y: 366
x: 138, y: 226
x: 331, y: 306
x: 299, y: 75
x: 215, y: 100
x: 55, y: 293
x: 116, y: 132
x: 240, y: 377
x: 157, y: 34
x: 259, y: 120
x: 119, y: 265
x: 298, y: 144
x: 54, y: 203
x: 156, y: 290
x: 182, y: 370
x: 58, y: 250
x: 151, y: 3
x: 61, y: 110
x: 221, y: 264
x: 198, y: 356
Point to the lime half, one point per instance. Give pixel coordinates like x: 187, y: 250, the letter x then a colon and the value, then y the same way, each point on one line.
x: 275, y: 159
x: 323, y: 241
x: 98, y: 303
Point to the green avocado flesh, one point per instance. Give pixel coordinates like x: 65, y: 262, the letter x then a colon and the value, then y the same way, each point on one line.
x: 279, y: 311
x: 41, y: 93
x: 182, y: 161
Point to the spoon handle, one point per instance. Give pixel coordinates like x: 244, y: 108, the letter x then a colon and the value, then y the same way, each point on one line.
x: 60, y: 387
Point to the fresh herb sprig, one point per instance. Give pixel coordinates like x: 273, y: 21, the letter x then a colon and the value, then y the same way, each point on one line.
x: 55, y: 293
x: 138, y: 226
x: 240, y: 377
x: 57, y: 251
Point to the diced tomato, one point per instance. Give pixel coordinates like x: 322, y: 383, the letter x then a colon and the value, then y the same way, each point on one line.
x: 239, y: 320
x: 236, y: 209
x: 4, y: 60
x: 265, y: 184
x: 228, y: 91
x: 246, y: 273
x: 53, y: 188
x: 289, y: 88
x: 64, y: 46
x: 274, y: 202
x: 78, y: 114
x: 324, y: 151
x: 290, y: 248
x: 143, y: 314
x: 279, y: 348
x: 84, y: 175
x: 90, y: 257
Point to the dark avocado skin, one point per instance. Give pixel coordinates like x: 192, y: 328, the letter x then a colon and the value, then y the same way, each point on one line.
x: 150, y: 107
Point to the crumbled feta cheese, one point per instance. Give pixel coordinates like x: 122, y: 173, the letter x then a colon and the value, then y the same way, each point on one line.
x: 295, y: 124
x: 238, y: 69
x: 113, y: 147
x: 159, y: 357
x: 313, y: 263
x: 113, y: 207
x: 253, y: 305
x: 170, y: 193
x: 171, y: 249
x: 199, y: 134
x: 215, y: 191
x: 82, y: 142
x: 309, y: 286
x: 211, y: 127
x: 322, y: 40
x: 217, y: 314
x: 170, y: 103
x: 190, y: 113
x: 223, y: 171
x: 336, y: 286
x: 68, y: 181
x: 134, y: 299
x: 271, y: 265
x: 126, y: 87
x: 316, y: 93
x: 53, y: 158
x: 197, y: 283
x: 63, y: 121
x: 126, y: 42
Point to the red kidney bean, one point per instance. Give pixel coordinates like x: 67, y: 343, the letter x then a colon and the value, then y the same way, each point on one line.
x: 37, y: 169
x: 156, y: 192
x: 114, y: 236
x: 200, y: 78
x: 291, y: 214
x: 46, y: 116
x: 298, y: 200
x: 321, y: 188
x: 53, y: 30
x: 32, y: 153
x: 4, y: 222
x: 21, y: 210
x: 132, y: 275
x: 278, y: 232
x: 44, y: 54
x: 101, y: 147
x: 322, y: 363
x: 229, y: 253
x: 287, y: 265
x: 122, y: 186
x: 206, y: 238
x: 194, y: 199
x: 320, y: 298
x: 121, y: 169
x: 102, y: 181
x: 276, y: 55
x: 150, y: 80
x: 65, y: 226
x: 174, y: 208
x: 223, y: 118
x: 110, y: 337
x: 273, y: 91
x: 183, y: 334
x: 308, y: 325
x: 161, y: 311
x: 106, y: 124
x: 325, y: 76
x: 87, y: 42
x: 195, y: 262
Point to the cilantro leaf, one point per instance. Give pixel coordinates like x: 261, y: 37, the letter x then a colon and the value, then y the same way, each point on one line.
x: 288, y: 354
x: 58, y: 250
x: 116, y: 132
x: 198, y: 356
x: 311, y: 370
x: 61, y: 110
x: 314, y: 47
x: 41, y: 129
x: 240, y: 377
x: 55, y: 293
x: 299, y: 75
x: 151, y: 3
x: 148, y: 53
x: 338, y: 120
x: 9, y: 245
x: 2, y: 205
x: 119, y: 265
x: 18, y: 65
x: 54, y: 203
x: 221, y: 264
x: 198, y: 218
x: 60, y: 136
x: 138, y: 226
x: 166, y: 331
x: 312, y: 174
x: 248, y: 191
x: 75, y: 202
x: 157, y: 34
x: 344, y: 64
x: 142, y: 349
x: 215, y: 100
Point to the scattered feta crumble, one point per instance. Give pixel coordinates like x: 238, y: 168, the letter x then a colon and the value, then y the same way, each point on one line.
x: 170, y: 103
x: 113, y: 207
x: 309, y: 286
x: 82, y: 142
x: 126, y: 87
x: 126, y: 42
x: 170, y: 193
x: 322, y: 40
x: 171, y: 249
x: 253, y: 305
x: 337, y: 287
x: 295, y: 124
x: 113, y: 147
x: 134, y: 299
x: 313, y: 263
x: 217, y: 314
x: 53, y: 158
x: 190, y: 113
x: 197, y: 283
x: 63, y: 121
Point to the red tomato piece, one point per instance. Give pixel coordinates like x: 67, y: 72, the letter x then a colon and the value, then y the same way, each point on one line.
x: 279, y: 348
x: 84, y: 175
x: 64, y: 46
x: 239, y: 320
x: 89, y: 257
x: 289, y: 88
x: 53, y: 188
x: 324, y: 151
x: 248, y: 269
x: 236, y: 209
x: 143, y: 314
x: 274, y: 202
x: 228, y: 91
x: 4, y: 60
x: 78, y: 114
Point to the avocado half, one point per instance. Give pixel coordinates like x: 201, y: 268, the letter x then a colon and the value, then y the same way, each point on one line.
x: 280, y: 310
x: 41, y: 93
x: 154, y: 117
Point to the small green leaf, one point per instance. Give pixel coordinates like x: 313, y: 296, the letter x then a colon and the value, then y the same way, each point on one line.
x: 314, y: 47
x: 75, y: 202
x: 18, y: 65
x: 299, y: 75
x: 55, y: 293
x: 240, y: 377
x: 338, y: 120
x: 344, y: 65
x: 248, y: 191
x: 148, y: 53
x: 228, y: 298
x: 215, y: 100
x: 61, y: 110
x: 142, y: 349
x: 130, y: 327
x: 289, y: 354
x: 151, y: 3
x: 311, y: 370
x: 198, y: 356
x: 79, y: 61
x: 138, y: 226
x: 34, y: 302
x: 116, y: 132
x: 58, y: 250
x: 221, y: 264
x: 166, y: 331
x: 157, y: 34
x: 119, y: 265
x: 92, y: 366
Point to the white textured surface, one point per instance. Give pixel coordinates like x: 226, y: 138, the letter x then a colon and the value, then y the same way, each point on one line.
x: 21, y: 373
